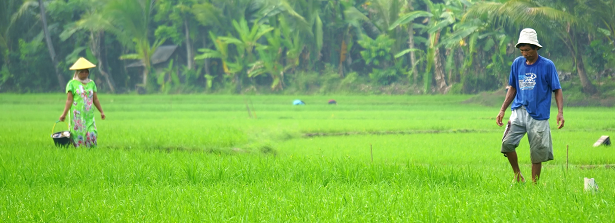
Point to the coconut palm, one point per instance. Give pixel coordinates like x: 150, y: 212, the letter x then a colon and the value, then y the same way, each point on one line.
x: 95, y: 23
x: 130, y: 20
x: 40, y: 4
x: 5, y: 26
x: 603, y: 13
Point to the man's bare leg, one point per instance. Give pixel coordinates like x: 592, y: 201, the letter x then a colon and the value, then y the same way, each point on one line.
x: 536, y: 167
x: 512, y: 159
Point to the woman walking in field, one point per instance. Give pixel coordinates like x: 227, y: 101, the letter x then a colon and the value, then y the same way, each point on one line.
x: 81, y: 95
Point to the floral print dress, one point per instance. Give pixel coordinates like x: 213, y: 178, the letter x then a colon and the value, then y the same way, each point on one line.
x: 82, y: 125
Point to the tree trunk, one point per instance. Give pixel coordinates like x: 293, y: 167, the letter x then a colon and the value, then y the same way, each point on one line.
x: 52, y: 52
x: 189, y: 56
x: 588, y: 87
x: 145, y: 72
x: 415, y: 72
x: 237, y: 83
x: 145, y: 48
x: 441, y: 85
x: 449, y: 56
x: 96, y: 39
x: 577, y: 54
x: 205, y: 61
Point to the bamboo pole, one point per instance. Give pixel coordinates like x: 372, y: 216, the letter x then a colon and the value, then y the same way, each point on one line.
x: 566, y: 157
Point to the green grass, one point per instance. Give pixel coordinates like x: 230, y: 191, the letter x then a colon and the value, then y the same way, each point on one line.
x: 202, y: 158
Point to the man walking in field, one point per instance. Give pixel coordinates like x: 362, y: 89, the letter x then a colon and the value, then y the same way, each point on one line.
x: 532, y: 79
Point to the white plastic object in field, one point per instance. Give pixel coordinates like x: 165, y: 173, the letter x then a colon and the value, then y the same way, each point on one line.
x: 590, y: 184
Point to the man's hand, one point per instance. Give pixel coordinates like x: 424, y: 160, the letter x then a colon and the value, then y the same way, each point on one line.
x: 560, y: 120
x: 102, y: 115
x: 498, y: 119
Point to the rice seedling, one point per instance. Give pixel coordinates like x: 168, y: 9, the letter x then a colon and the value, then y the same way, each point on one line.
x: 165, y: 158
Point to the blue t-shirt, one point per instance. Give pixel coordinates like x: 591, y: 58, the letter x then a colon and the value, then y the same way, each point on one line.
x: 535, y: 84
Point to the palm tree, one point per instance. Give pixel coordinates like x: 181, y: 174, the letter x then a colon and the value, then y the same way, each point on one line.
x: 178, y: 19
x: 52, y: 53
x: 95, y: 23
x: 602, y: 17
x: 130, y: 20
x: 528, y: 13
x: 5, y: 26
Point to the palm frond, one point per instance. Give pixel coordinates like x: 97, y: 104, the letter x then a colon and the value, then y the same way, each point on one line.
x: 231, y: 40
x: 132, y: 56
x: 409, y: 17
x: 23, y: 9
x: 207, y: 14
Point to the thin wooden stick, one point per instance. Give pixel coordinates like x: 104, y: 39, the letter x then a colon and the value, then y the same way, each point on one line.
x: 371, y: 151
x: 253, y: 111
x: 245, y: 101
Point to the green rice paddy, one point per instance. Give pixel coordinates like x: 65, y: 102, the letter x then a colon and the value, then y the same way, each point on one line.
x: 205, y: 158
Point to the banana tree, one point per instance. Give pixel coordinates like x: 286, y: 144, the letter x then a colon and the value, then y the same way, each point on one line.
x: 441, y: 19
x: 247, y: 38
x: 407, y: 19
x: 270, y: 56
x: 245, y: 43
x: 293, y: 43
x: 221, y: 52
x: 167, y: 78
x: 303, y: 19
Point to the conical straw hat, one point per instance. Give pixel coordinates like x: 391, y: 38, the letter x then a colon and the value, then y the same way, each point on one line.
x: 528, y: 36
x: 81, y: 64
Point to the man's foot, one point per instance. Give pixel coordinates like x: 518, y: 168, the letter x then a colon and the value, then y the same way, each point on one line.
x: 519, y: 178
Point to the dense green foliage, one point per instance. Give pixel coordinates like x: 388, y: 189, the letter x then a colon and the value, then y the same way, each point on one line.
x: 302, y: 46
x: 202, y: 158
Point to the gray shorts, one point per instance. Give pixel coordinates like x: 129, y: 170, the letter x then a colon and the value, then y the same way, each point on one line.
x: 538, y: 133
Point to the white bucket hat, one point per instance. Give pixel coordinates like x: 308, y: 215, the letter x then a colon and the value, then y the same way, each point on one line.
x: 528, y: 36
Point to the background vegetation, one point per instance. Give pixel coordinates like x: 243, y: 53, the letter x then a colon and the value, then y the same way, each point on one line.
x: 191, y: 158
x: 302, y: 46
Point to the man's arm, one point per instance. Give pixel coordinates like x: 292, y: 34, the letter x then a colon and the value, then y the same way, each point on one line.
x: 510, y: 96
x: 559, y: 99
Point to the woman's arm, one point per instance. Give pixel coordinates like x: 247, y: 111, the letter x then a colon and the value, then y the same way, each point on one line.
x: 69, y: 102
x: 97, y: 104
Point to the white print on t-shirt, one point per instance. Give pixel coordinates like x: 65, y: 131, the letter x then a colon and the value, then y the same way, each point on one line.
x: 527, y: 81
